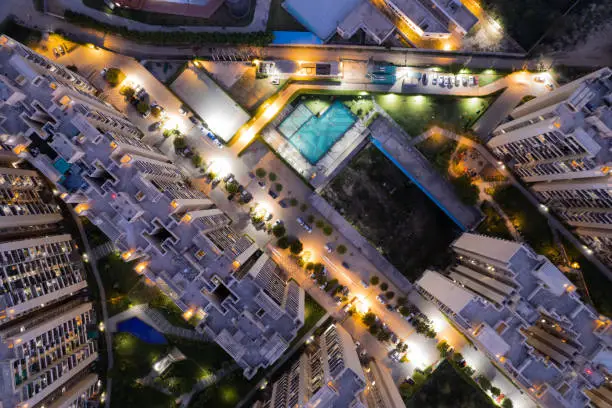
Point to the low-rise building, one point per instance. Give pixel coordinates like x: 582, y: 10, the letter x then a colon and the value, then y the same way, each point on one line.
x: 288, y: 69
x: 526, y: 316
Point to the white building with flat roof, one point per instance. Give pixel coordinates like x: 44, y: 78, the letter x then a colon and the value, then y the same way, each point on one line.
x: 561, y: 143
x: 148, y: 208
x: 526, y: 316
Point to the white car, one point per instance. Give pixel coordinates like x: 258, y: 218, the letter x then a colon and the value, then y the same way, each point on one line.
x: 364, y: 284
x: 300, y: 221
x: 329, y: 247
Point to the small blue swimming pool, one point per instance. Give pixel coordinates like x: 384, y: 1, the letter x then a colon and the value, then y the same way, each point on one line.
x: 315, y: 135
x: 141, y: 330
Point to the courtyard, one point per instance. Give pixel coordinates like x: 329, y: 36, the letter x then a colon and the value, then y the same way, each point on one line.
x: 392, y: 213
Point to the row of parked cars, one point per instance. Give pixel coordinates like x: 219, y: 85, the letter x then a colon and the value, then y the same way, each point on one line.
x: 448, y: 81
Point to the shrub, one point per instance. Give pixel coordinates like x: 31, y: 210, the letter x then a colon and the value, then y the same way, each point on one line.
x: 180, y: 143
x: 156, y: 111
x: 296, y: 247
x: 404, y: 311
x: 327, y: 230
x: 261, y: 173
x: 374, y: 330
x: 402, y: 300
x: 196, y: 159
x: 127, y: 91
x: 318, y: 267
x: 383, y: 335
x: 341, y: 249
x: 142, y: 107
x: 272, y: 176
x: 495, y: 391
x: 283, y: 243
x: 507, y: 403
x: 373, y: 280
x: 310, y: 266
x: 310, y: 218
x: 369, y: 319
x: 279, y: 231
x: 232, y: 187
x: 390, y: 295
x: 303, y: 207
x: 278, y: 187
x: 320, y: 224
x: 293, y: 202
x: 114, y: 76
x: 484, y: 382
x: 384, y: 286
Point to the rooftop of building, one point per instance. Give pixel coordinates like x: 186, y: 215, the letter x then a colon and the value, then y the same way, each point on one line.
x: 420, y: 15
x: 367, y: 16
x: 321, y: 16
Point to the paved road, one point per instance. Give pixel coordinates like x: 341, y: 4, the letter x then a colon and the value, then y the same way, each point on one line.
x: 102, y: 292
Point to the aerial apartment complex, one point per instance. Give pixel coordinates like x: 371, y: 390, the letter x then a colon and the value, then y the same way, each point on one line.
x: 526, y: 316
x: 560, y: 143
x: 327, y: 374
x: 46, y: 354
x: 173, y: 232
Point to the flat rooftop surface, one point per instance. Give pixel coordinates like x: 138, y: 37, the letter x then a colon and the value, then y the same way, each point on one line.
x: 320, y: 16
x: 222, y: 115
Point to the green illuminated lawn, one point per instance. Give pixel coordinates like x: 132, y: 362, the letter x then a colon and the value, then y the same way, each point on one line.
x: 416, y: 113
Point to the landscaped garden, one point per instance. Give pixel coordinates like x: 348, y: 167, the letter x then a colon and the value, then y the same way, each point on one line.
x: 392, y: 213
x: 359, y: 105
x: 417, y: 113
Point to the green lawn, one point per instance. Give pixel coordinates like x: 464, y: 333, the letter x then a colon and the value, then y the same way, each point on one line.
x: 417, y: 113
x: 313, y: 312
x: 316, y: 104
x: 280, y: 20
x: 226, y: 393
x: 529, y: 221
x: 493, y: 225
x: 447, y: 387
x: 359, y: 105
x: 124, y: 287
x: 221, y: 17
x: 438, y: 150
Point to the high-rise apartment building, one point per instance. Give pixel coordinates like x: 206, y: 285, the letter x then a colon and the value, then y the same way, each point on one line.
x: 327, y: 374
x: 26, y: 204
x: 561, y: 142
x: 526, y: 316
x: 175, y: 234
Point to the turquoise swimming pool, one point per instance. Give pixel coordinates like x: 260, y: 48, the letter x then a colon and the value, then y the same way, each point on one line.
x: 314, y: 135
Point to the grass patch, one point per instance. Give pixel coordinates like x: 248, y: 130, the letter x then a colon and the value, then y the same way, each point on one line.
x: 226, y: 393
x: 359, y: 106
x: 124, y: 287
x: 493, y: 225
x: 280, y: 20
x: 313, y: 312
x: 392, y: 213
x: 316, y: 104
x: 417, y: 113
x: 24, y: 35
x: 528, y: 220
x: 446, y: 387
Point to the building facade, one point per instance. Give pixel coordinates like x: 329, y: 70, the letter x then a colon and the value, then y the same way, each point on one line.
x: 561, y: 144
x: 175, y: 234
x: 527, y: 318
x: 327, y: 374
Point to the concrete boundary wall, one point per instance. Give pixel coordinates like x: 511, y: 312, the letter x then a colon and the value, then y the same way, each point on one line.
x: 354, y: 237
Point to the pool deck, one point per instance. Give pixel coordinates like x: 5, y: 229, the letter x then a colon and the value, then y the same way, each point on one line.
x: 395, y: 144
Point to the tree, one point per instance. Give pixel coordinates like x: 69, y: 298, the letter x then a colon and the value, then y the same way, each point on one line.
x: 156, y: 111
x: 180, y: 143
x: 310, y: 218
x: 296, y: 247
x: 127, y: 91
x: 507, y: 403
x: 272, y: 176
x: 369, y: 319
x: 278, y: 187
x: 303, y: 207
x: 260, y: 172
x: 293, y: 202
x: 465, y: 190
x: 402, y: 300
x: 484, y: 382
x: 114, y: 76
x: 469, y: 371
x: 495, y: 391
x: 320, y: 224
x: 384, y: 286
x: 374, y: 330
x: 341, y: 249
x: 333, y: 282
x: 283, y: 243
x: 142, y: 107
x: 319, y: 267
x: 404, y: 311
x: 279, y: 230
x: 390, y: 295
x: 457, y: 357
x: 196, y: 159
x: 443, y: 348
x: 309, y: 266
x: 232, y: 187
x: 328, y: 230
x: 383, y: 335
x: 373, y: 280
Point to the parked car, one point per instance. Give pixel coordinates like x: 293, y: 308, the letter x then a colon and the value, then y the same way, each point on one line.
x: 434, y: 79
x: 381, y: 299
x: 424, y: 78
x: 364, y: 284
x: 457, y: 81
x: 346, y: 265
x: 273, y: 194
x: 194, y: 120
x: 464, y: 80
x: 308, y: 228
x: 471, y: 80
x: 103, y: 72
x: 329, y: 247
x: 278, y: 222
x: 262, y: 184
x: 300, y: 221
x: 394, y: 355
x: 156, y: 125
x: 182, y: 111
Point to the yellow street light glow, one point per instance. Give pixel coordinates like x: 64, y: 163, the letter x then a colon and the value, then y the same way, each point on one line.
x: 141, y: 267
x: 419, y: 99
x: 438, y: 324
x: 220, y: 167
x: 447, y: 47
x: 271, y: 111
x: 172, y: 122
x: 362, y: 305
